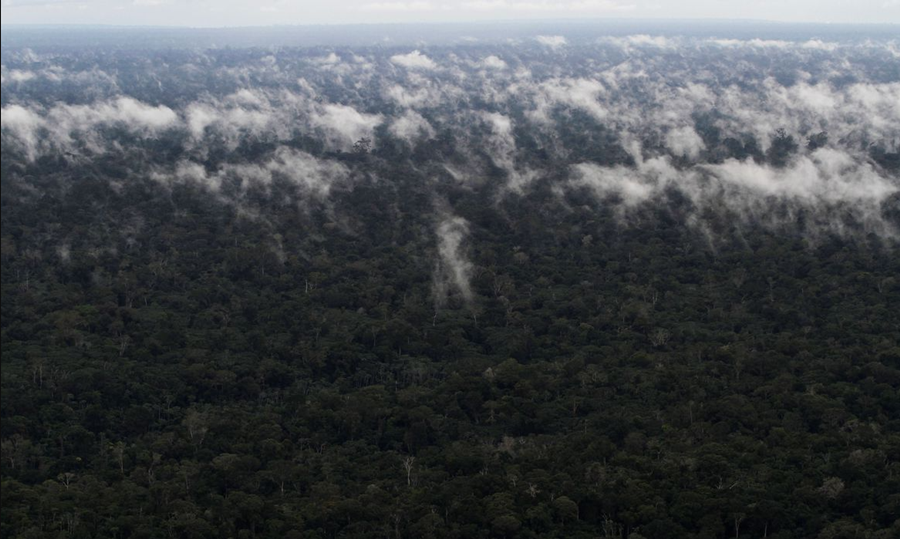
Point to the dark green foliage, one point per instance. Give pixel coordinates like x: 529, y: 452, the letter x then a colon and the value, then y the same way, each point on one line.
x: 887, y: 159
x: 201, y: 378
x: 816, y: 141
x: 783, y: 146
x: 256, y: 361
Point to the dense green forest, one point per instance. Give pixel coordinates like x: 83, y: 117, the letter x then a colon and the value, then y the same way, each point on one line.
x: 415, y: 301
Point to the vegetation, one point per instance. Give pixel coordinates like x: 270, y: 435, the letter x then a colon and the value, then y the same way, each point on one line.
x: 261, y: 361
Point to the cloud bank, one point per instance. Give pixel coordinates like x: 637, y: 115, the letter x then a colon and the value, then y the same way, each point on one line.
x: 626, y: 120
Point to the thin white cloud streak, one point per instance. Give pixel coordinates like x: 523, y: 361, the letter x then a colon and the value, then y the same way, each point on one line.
x: 453, y: 270
x: 642, y: 40
x: 813, y: 44
x: 501, y: 146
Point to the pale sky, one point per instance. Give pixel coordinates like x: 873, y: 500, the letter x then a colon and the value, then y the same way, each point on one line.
x: 215, y: 13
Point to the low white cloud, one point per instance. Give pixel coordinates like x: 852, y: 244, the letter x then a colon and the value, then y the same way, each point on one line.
x: 423, y: 96
x: 827, y: 176
x: 628, y: 183
x: 135, y: 113
x: 501, y: 146
x: 306, y: 172
x: 55, y: 127
x: 17, y: 75
x: 818, y: 44
x: 829, y: 185
x: 327, y: 60
x: 641, y: 40
x: 229, y: 118
x: 23, y: 125
x: 411, y: 127
x: 492, y: 62
x: 655, y: 106
x: 344, y: 125
x: 578, y: 93
x: 814, y: 44
x: 728, y: 42
x: 553, y: 42
x: 414, y: 60
x: 684, y: 141
x: 453, y: 269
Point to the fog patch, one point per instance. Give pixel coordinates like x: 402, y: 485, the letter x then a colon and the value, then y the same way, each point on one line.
x: 453, y: 270
x: 502, y: 149
x: 22, y: 125
x: 684, y: 141
x: 309, y: 174
x: 492, y: 62
x: 411, y: 127
x: 54, y: 128
x: 554, y: 42
x: 828, y: 185
x: 826, y: 176
x: 641, y: 40
x: 579, y: 93
x: 344, y: 125
x: 414, y: 60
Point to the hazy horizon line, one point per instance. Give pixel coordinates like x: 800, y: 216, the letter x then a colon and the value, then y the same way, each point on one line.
x: 542, y: 21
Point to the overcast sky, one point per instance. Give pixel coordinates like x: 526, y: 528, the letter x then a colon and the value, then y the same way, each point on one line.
x: 268, y: 12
